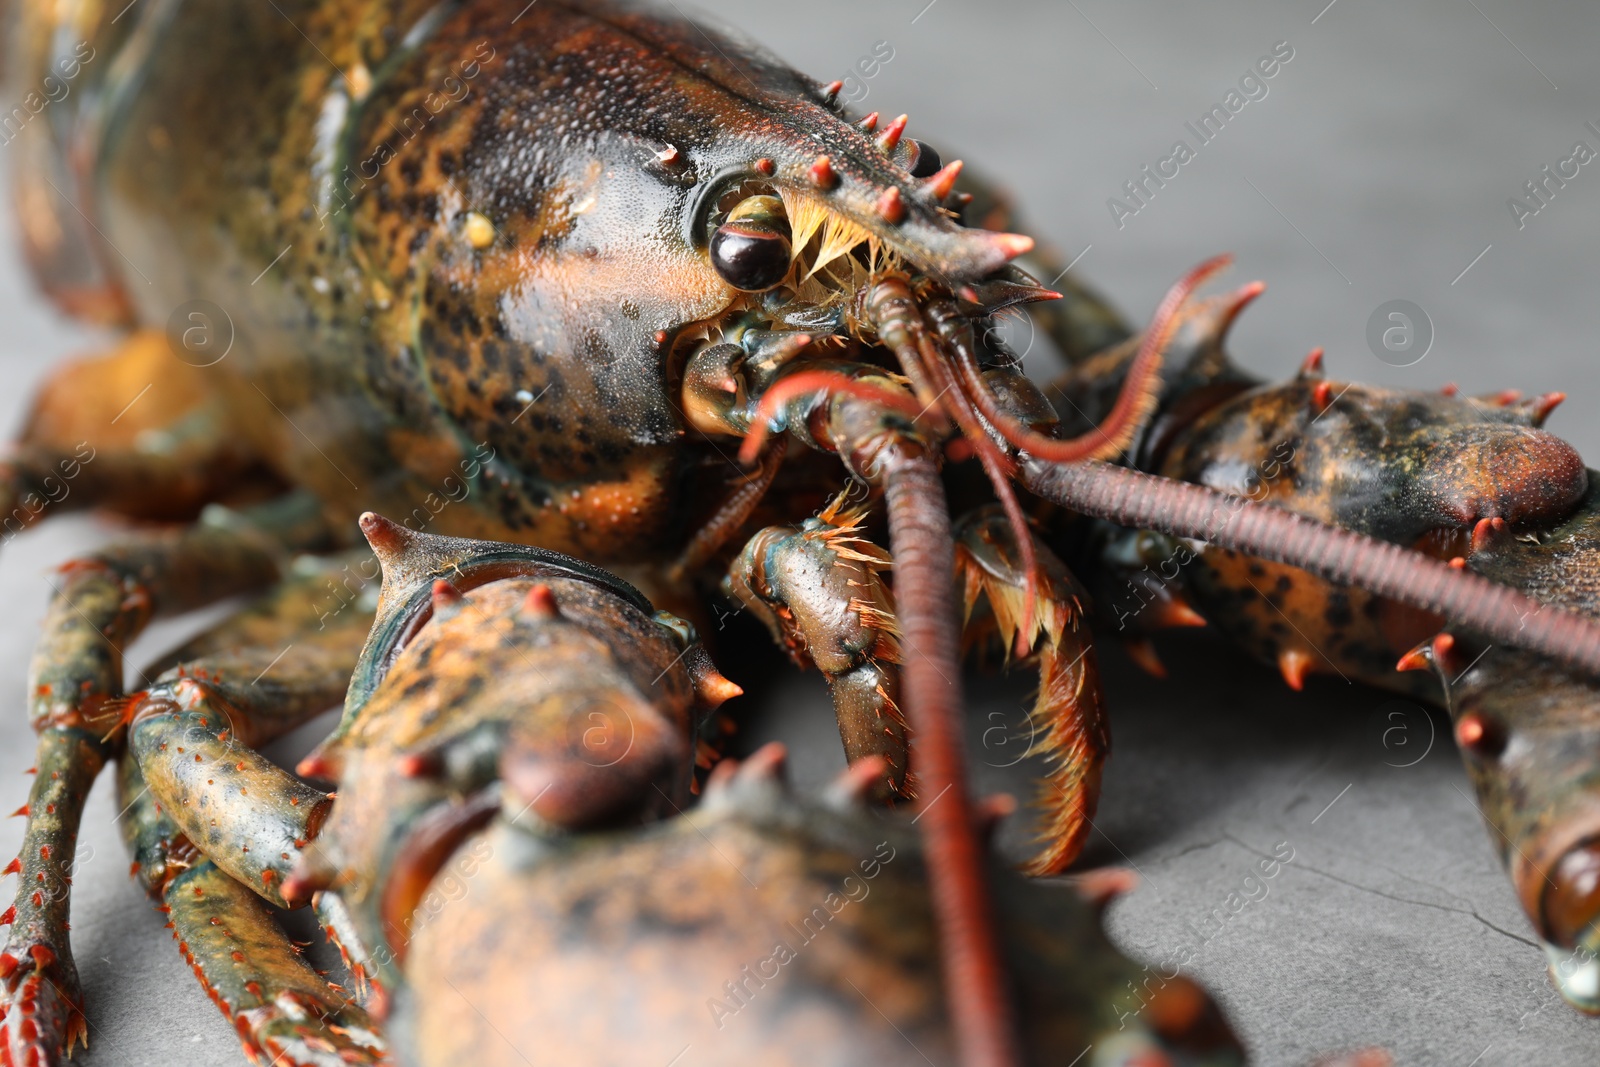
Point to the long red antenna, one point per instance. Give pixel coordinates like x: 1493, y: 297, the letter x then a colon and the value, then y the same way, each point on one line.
x: 1144, y: 501
x: 924, y: 562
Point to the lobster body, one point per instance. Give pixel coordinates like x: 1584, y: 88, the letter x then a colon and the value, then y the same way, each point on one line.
x: 395, y: 345
x: 527, y: 278
x: 436, y: 252
x: 448, y: 246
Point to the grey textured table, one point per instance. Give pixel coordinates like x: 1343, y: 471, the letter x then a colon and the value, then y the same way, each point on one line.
x: 1376, y: 167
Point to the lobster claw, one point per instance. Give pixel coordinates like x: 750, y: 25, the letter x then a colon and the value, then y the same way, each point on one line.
x: 1497, y: 470
x: 613, y: 752
x: 39, y: 1011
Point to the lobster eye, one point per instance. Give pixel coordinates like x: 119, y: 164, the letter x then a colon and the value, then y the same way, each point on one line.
x: 921, y: 160
x: 751, y: 249
x: 1572, y: 903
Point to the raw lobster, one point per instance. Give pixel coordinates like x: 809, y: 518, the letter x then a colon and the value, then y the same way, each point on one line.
x: 534, y: 277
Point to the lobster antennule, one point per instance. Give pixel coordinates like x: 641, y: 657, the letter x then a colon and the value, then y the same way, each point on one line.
x: 815, y: 381
x: 1000, y: 470
x: 926, y: 354
x: 1139, y: 389
x: 925, y: 359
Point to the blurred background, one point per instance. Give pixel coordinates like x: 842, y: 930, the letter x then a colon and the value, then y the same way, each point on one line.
x: 1376, y: 166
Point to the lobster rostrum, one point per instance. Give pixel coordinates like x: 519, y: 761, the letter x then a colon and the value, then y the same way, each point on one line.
x: 564, y: 261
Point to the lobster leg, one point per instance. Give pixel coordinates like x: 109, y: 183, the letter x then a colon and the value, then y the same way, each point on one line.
x: 818, y: 588
x: 194, y: 733
x: 249, y: 680
x: 285, y: 1013
x: 101, y: 602
x: 43, y: 1005
x: 249, y: 816
x: 136, y: 431
x: 1068, y: 719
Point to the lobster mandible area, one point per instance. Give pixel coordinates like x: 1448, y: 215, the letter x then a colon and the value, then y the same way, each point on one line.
x: 1309, y: 849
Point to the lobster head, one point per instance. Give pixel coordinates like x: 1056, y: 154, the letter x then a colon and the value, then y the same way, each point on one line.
x: 655, y: 221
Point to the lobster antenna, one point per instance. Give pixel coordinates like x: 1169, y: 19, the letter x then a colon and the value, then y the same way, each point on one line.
x: 924, y: 562
x: 924, y: 559
x: 1180, y: 509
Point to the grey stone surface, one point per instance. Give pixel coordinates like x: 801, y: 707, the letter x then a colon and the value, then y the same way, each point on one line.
x: 1377, y: 167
